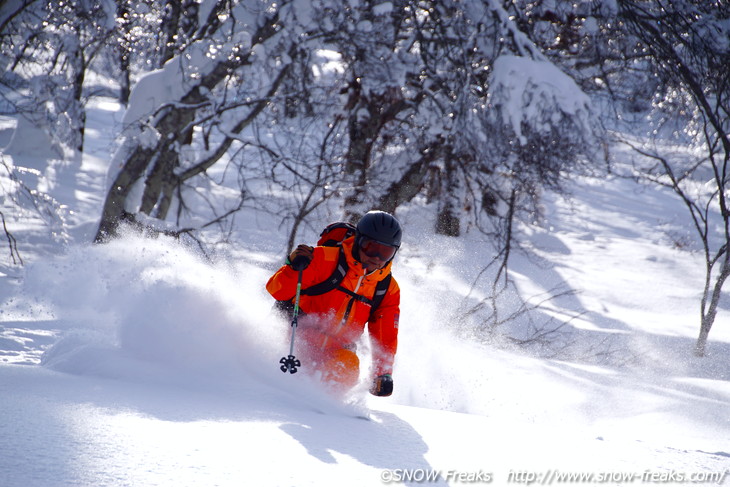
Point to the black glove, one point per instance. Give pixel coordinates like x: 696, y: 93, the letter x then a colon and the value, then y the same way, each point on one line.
x: 301, y: 257
x: 382, y: 386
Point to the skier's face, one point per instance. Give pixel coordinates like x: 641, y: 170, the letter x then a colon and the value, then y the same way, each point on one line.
x: 372, y: 263
x: 375, y: 255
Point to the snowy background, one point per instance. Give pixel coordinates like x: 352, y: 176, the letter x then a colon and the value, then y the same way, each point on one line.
x: 140, y: 363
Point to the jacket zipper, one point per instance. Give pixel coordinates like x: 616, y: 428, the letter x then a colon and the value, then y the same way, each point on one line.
x: 348, y: 310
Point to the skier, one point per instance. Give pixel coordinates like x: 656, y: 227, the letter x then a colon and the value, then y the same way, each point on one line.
x: 333, y: 318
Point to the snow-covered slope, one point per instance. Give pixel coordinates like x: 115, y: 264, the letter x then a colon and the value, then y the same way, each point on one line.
x: 137, y: 363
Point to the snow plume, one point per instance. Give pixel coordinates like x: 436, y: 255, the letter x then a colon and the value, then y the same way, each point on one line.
x: 441, y: 362
x: 142, y: 307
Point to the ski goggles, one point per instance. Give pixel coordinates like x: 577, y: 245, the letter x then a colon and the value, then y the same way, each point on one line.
x: 373, y: 248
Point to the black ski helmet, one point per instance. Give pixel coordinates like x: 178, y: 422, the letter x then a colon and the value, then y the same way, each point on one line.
x: 381, y: 227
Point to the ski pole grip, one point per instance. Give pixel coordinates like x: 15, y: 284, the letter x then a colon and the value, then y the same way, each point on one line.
x: 300, y: 262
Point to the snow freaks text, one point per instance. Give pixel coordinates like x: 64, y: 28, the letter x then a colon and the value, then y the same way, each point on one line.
x: 422, y: 475
x: 549, y: 477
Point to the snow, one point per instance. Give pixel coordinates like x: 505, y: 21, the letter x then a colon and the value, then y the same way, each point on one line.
x: 525, y: 88
x: 139, y: 363
x: 35, y: 142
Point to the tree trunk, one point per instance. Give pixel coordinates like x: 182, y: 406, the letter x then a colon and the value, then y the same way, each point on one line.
x: 448, y: 221
x: 708, y: 318
x: 169, y: 32
x: 412, y: 181
x: 79, y: 112
x: 368, y: 116
x: 113, y: 210
x: 363, y: 132
x: 123, y: 53
x: 701, y: 345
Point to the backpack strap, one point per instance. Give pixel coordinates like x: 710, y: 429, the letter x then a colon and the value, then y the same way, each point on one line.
x: 380, y: 289
x: 333, y: 281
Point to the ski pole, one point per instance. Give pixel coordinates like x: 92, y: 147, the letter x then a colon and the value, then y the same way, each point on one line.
x: 290, y: 363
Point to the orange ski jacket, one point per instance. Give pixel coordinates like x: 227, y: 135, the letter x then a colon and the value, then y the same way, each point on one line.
x: 341, y: 318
